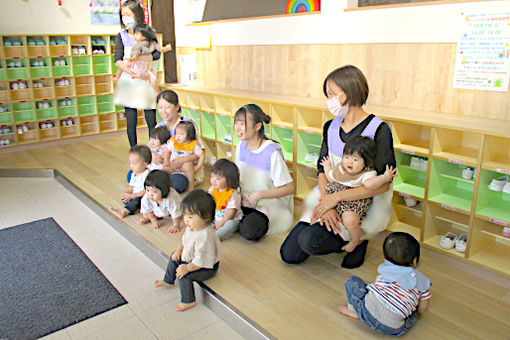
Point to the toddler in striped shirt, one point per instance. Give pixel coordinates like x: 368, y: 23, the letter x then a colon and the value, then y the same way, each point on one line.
x: 391, y: 303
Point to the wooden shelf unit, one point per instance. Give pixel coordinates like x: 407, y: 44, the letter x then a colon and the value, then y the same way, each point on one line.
x: 90, y: 88
x: 446, y: 202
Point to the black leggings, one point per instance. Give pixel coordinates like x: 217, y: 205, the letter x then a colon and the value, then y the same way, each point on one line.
x: 307, y: 240
x: 132, y: 121
x: 253, y: 225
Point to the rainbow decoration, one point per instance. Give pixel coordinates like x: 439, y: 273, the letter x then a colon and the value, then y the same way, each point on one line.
x: 301, y: 6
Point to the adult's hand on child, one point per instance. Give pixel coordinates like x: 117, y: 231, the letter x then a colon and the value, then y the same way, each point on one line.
x: 330, y: 220
x: 326, y: 203
x: 181, y: 271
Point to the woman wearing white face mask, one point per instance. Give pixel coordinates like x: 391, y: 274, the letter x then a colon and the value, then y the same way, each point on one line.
x: 132, y: 91
x: 347, y: 90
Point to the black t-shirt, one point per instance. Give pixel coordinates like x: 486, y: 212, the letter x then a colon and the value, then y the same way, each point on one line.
x: 119, y: 50
x: 383, y: 141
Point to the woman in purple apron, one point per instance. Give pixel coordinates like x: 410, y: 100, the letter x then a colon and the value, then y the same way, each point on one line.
x: 320, y: 230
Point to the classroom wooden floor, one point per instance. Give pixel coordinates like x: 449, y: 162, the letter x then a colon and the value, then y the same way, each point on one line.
x: 290, y: 302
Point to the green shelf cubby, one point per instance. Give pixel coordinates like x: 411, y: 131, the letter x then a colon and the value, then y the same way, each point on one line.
x: 24, y: 112
x: 82, y: 65
x: 114, y: 67
x: 87, y: 106
x: 66, y: 111
x: 14, y: 73
x: 447, y: 186
x: 307, y: 144
x: 223, y: 128
x: 62, y: 71
x: 105, y: 104
x: 284, y: 137
x: 48, y: 113
x: 40, y: 71
x: 101, y: 64
x: 159, y: 68
x: 6, y: 116
x: 409, y: 180
x: 3, y: 75
x: 489, y: 203
x: 194, y: 115
x: 208, y: 125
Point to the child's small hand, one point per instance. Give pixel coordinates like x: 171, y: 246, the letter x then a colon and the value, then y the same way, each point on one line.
x: 173, y: 229
x: 218, y: 225
x: 126, y: 197
x: 156, y: 224
x: 390, y: 172
x: 176, y: 256
x: 253, y: 199
x: 181, y: 271
x: 326, y: 161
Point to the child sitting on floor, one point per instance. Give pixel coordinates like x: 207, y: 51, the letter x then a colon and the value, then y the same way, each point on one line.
x: 183, y: 144
x: 158, y: 139
x: 198, y: 256
x: 139, y: 159
x: 225, y: 182
x: 160, y: 200
x: 389, y: 304
x: 355, y: 169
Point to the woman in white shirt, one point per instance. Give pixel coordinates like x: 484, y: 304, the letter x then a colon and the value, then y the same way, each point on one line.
x: 266, y: 184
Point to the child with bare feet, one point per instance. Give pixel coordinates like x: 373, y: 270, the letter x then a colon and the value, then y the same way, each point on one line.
x: 160, y: 200
x: 139, y: 158
x: 353, y: 170
x: 198, y: 256
x: 390, y: 304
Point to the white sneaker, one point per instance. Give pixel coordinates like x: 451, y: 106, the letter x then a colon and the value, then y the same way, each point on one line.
x: 46, y: 105
x: 410, y: 202
x: 7, y: 142
x: 75, y: 50
x: 63, y: 123
x: 22, y: 85
x: 18, y: 64
x: 467, y: 173
x: 506, y: 188
x: 424, y: 164
x: 43, y: 126
x: 497, y: 184
x: 39, y: 105
x: 15, y: 86
x: 460, y: 243
x: 311, y: 157
x: 415, y: 163
x: 448, y: 241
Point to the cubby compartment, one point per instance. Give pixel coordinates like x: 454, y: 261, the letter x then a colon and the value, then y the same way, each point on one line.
x: 82, y: 65
x: 23, y: 90
x: 89, y: 125
x: 3, y: 74
x: 439, y: 221
x: 224, y: 150
x: 43, y: 88
x: 103, y: 84
x: 192, y: 100
x: 194, y: 115
x: 99, y: 44
x: 447, y: 186
x: 59, y: 46
x: 411, y: 176
x: 207, y: 103
x: 5, y: 114
x: 309, y: 120
x: 456, y: 146
x: 496, y: 154
x: 492, y: 204
x: 283, y: 116
x: 24, y: 112
x: 208, y: 125
x: 210, y: 151
x: 80, y: 45
x: 5, y: 95
x: 114, y: 67
x: 222, y: 105
x: 308, y: 148
x: 14, y: 47
x: 27, y: 133
x: 64, y: 87
x: 411, y: 139
x: 67, y: 108
x: 87, y: 105
x: 40, y: 67
x: 17, y: 69
x: 46, y: 109
x: 285, y: 138
x: 49, y: 130
x: 107, y: 122
x: 407, y: 215
x: 105, y: 104
x: 7, y: 135
x: 101, y: 64
x: 37, y: 46
x: 112, y: 39
x: 69, y: 127
x: 62, y: 67
x: 488, y: 247
x: 306, y: 180
x: 84, y: 85
x: 121, y: 121
x: 223, y: 128
x: 141, y: 122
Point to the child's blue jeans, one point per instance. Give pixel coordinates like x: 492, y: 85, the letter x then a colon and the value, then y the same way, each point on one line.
x: 355, y: 291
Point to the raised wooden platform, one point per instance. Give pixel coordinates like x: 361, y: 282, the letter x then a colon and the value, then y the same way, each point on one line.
x: 290, y: 302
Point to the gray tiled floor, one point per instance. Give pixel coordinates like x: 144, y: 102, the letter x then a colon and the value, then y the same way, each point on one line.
x: 149, y: 313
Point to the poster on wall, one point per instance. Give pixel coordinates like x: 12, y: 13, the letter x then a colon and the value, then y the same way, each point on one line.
x: 106, y: 12
x: 483, y: 52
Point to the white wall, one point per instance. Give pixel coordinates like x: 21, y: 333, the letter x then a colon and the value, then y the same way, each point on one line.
x: 45, y: 17
x: 421, y: 24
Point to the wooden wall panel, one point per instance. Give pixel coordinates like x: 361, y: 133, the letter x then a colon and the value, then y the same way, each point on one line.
x: 417, y: 76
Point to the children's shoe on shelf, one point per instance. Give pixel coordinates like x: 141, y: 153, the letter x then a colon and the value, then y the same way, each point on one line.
x: 506, y: 232
x: 311, y: 157
x: 506, y: 188
x: 410, y: 202
x: 15, y: 86
x: 497, y: 184
x: 460, y: 243
x: 7, y: 142
x: 415, y: 163
x: 448, y: 240
x: 424, y: 164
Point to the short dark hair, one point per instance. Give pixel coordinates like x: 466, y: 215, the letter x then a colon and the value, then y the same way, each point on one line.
x: 143, y: 151
x: 352, y: 81
x: 137, y: 10
x: 146, y: 31
x: 170, y: 96
x: 227, y: 169
x: 189, y: 127
x: 201, y: 203
x: 159, y: 179
x: 401, y: 249
x: 160, y: 133
x: 257, y: 115
x: 363, y: 146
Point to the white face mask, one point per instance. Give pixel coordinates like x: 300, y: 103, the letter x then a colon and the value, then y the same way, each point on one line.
x: 129, y: 22
x: 337, y: 109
